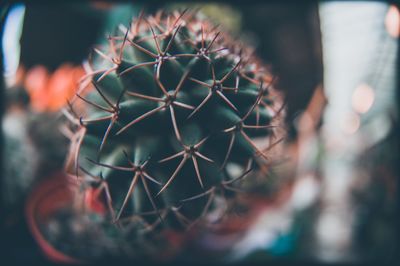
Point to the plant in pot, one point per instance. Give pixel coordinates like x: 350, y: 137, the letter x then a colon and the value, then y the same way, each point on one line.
x: 165, y: 132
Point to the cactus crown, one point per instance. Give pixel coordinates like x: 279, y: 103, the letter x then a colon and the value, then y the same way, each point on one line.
x: 175, y: 105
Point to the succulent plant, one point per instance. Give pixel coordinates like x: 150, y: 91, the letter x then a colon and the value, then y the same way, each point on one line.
x: 164, y: 123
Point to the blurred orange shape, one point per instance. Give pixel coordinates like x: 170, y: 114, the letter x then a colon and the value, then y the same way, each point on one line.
x: 35, y: 83
x: 93, y: 201
x: 50, y: 92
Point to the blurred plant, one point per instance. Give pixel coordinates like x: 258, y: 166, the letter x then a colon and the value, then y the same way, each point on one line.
x: 375, y: 196
x: 50, y: 92
x: 231, y: 21
x: 34, y: 145
x: 19, y: 162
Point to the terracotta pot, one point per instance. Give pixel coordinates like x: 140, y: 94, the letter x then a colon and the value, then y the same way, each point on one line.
x: 48, y: 196
x: 58, y: 192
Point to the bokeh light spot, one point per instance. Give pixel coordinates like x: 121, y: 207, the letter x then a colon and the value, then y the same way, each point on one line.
x: 363, y: 98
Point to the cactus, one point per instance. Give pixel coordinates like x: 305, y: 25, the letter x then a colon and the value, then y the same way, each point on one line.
x: 168, y: 111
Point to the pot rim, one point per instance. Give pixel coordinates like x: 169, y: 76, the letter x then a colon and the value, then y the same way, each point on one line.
x: 54, y: 183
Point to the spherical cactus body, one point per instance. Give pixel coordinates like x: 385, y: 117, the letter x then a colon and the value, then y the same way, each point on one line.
x: 168, y: 114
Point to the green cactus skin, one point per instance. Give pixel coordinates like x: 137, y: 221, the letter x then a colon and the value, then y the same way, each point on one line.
x: 174, y: 103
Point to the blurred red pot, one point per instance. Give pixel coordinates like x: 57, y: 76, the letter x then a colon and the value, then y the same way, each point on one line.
x: 48, y: 196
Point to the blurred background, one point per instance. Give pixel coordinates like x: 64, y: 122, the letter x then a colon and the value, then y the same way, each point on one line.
x: 337, y: 67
